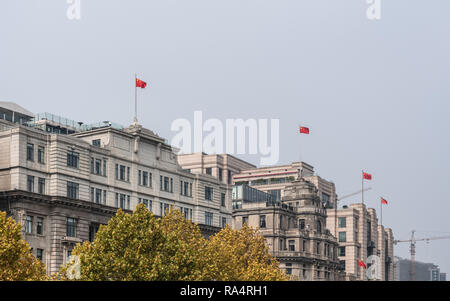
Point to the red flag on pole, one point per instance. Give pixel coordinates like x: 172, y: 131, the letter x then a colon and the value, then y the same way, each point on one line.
x: 304, y: 130
x: 361, y: 264
x: 140, y: 83
x: 367, y: 176
x: 383, y: 201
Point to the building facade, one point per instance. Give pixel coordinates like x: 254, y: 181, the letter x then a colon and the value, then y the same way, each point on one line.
x: 295, y: 235
x: 61, y: 187
x: 275, y: 179
x: 359, y: 236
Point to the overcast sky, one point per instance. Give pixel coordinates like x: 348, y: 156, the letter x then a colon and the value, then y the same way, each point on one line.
x: 375, y: 94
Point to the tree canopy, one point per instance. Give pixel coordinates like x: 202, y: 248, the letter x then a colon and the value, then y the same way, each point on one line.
x: 16, y: 261
x: 139, y: 246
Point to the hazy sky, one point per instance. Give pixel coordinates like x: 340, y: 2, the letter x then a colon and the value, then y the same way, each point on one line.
x: 375, y: 94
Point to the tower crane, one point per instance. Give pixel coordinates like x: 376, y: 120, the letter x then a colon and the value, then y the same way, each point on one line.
x: 412, y: 247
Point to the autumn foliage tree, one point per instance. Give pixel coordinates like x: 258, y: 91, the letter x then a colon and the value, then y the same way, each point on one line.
x: 16, y: 261
x: 241, y: 255
x: 140, y: 246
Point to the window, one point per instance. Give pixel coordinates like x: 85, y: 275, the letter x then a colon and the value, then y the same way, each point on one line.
x: 262, y: 221
x: 98, y: 196
x: 104, y: 168
x: 325, y: 198
x: 72, y: 159
x: 208, y: 193
x: 30, y: 183
x: 229, y: 176
x: 128, y: 174
x: 276, y: 194
x: 341, y: 251
x: 342, y: 222
x: 301, y: 224
x: 104, y: 197
x: 96, y: 142
x: 122, y: 173
x: 92, y: 165
x: 166, y: 184
x: 209, y: 171
x: 319, y: 227
x: 98, y: 166
x: 304, y: 245
x: 342, y: 236
x: 92, y: 194
x: 318, y: 248
x: 71, y: 227
x: 72, y: 190
x: 184, y: 189
x: 224, y: 222
x: 40, y: 254
x: 220, y: 174
x: 222, y: 199
x: 291, y: 245
x: 245, y: 220
x: 29, y: 224
x: 289, y: 268
x: 30, y: 152
x: 208, y: 218
x: 41, y: 185
x: 164, y: 209
x: 93, y: 229
x: 145, y: 178
x: 40, y: 226
x: 41, y: 152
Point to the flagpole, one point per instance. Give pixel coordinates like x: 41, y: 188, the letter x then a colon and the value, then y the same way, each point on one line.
x: 381, y: 212
x: 362, y: 185
x: 135, y: 99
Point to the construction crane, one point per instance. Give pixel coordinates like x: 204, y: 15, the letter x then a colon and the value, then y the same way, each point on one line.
x: 412, y: 247
x: 341, y: 198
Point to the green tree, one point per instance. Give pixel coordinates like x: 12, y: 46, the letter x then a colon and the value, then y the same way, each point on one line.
x: 241, y: 255
x: 16, y: 261
x: 139, y: 246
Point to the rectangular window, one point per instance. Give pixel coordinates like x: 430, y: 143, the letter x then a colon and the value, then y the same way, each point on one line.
x: 262, y: 221
x: 301, y: 224
x: 117, y: 171
x: 341, y: 251
x: 222, y: 199
x: 229, y: 176
x: 209, y: 171
x: 291, y: 244
x: 171, y: 185
x: 41, y: 185
x: 92, y: 194
x: 342, y: 236
x: 98, y: 166
x: 72, y: 190
x: 93, y: 228
x: 96, y: 142
x: 30, y: 183
x: 150, y: 180
x: 208, y: 218
x: 71, y: 227
x: 220, y: 174
x: 98, y: 196
x: 139, y: 177
x: 29, y: 224
x: 41, y: 153
x: 40, y: 254
x: 40, y: 226
x: 104, y: 168
x: 30, y: 152
x: 72, y: 159
x: 224, y: 222
x: 92, y: 165
x: 104, y: 197
x: 166, y: 184
x: 145, y: 178
x: 245, y: 220
x: 128, y: 174
x: 208, y: 193
x: 122, y: 172
x: 342, y: 222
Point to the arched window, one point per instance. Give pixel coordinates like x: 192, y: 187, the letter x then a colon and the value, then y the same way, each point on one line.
x: 319, y: 227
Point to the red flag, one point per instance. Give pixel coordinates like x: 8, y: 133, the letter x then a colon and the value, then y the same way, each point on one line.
x: 383, y: 201
x: 367, y: 176
x: 140, y: 83
x: 304, y: 130
x: 361, y: 264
